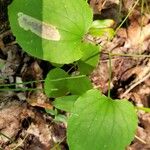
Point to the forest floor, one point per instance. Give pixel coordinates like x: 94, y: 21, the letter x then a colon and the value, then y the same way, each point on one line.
x: 24, y: 124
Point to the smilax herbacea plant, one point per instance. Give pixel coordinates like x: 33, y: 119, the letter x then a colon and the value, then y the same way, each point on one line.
x: 55, y: 30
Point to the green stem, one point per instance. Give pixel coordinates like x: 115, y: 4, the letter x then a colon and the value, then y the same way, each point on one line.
x: 127, y: 55
x: 68, y: 78
x: 147, y: 7
x: 34, y: 89
x: 23, y: 83
x: 127, y: 16
x: 143, y: 108
x: 6, y: 136
x: 110, y: 73
x: 19, y: 89
x: 130, y: 55
x: 53, y: 148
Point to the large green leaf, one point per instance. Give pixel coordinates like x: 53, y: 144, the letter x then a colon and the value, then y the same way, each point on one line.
x: 55, y: 83
x: 52, y: 30
x: 99, y: 123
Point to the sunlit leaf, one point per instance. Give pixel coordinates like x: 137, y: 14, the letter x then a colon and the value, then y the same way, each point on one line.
x: 106, y: 23
x: 99, y: 123
x: 107, y: 33
x: 52, y: 30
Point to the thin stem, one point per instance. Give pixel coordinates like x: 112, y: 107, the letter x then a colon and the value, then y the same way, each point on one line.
x: 68, y: 78
x: 142, y: 7
x: 142, y: 10
x: 6, y: 136
x: 128, y: 55
x: 110, y: 73
x: 53, y: 148
x: 73, y: 67
x: 147, y: 7
x: 18, y: 145
x: 143, y: 108
x: 24, y: 83
x: 19, y: 89
x: 120, y: 7
x: 127, y: 15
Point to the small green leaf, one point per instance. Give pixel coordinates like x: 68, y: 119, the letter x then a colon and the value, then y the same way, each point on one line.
x: 52, y: 30
x: 2, y: 63
x: 65, y: 103
x: 99, y: 123
x: 89, y: 60
x: 106, y: 23
x: 106, y: 32
x: 55, y: 83
x: 51, y: 112
x: 60, y: 118
x: 78, y: 86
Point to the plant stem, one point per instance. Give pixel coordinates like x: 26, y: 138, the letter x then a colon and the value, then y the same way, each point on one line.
x: 19, y: 89
x: 127, y: 55
x: 6, y: 136
x: 24, y: 83
x: 143, y: 108
x: 127, y: 16
x: 68, y: 78
x: 110, y: 73
x: 130, y: 55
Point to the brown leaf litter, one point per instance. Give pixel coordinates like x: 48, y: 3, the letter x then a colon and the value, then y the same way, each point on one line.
x: 29, y: 128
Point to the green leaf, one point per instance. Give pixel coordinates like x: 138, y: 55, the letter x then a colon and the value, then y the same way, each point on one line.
x: 2, y: 63
x: 106, y: 32
x: 106, y: 23
x: 89, y: 60
x: 65, y: 103
x: 52, y: 30
x: 51, y: 112
x: 60, y: 118
x: 78, y: 86
x: 57, y: 65
x: 99, y: 123
x: 55, y: 83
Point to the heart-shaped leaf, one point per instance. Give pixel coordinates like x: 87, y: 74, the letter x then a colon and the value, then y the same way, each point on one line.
x: 99, y: 123
x: 52, y: 30
x: 59, y: 83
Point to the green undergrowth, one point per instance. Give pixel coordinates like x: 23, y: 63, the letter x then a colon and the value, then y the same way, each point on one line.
x: 57, y: 31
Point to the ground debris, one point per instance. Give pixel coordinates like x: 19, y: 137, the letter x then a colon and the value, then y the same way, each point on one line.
x: 24, y: 123
x: 18, y: 123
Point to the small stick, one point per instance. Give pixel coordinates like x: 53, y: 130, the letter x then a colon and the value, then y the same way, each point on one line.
x: 138, y: 138
x: 135, y: 84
